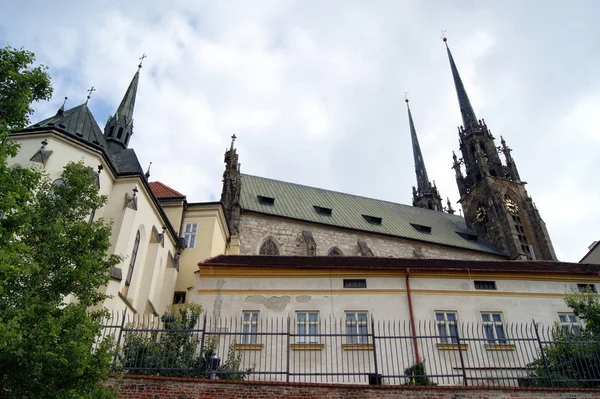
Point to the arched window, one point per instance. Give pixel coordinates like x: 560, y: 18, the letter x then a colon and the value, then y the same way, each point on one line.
x: 136, y: 245
x: 111, y: 131
x: 56, y: 183
x: 268, y: 248
x: 335, y: 251
x: 120, y: 133
x: 126, y: 138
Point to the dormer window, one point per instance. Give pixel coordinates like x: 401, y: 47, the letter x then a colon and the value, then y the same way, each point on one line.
x: 468, y: 236
x: 269, y: 201
x: 120, y: 134
x: 373, y: 219
x: 323, y: 211
x: 421, y: 228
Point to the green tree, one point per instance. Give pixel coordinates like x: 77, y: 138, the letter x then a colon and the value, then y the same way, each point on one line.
x: 52, y: 260
x: 572, y: 359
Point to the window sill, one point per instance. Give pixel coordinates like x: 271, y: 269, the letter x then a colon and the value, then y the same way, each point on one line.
x: 357, y: 347
x: 452, y: 347
x: 499, y: 347
x: 306, y: 347
x: 248, y: 347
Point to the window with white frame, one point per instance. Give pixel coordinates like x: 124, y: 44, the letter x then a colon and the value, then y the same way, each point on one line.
x: 307, y: 327
x: 446, y: 326
x: 189, y: 234
x: 357, y: 327
x: 249, y: 327
x: 493, y: 327
x: 569, y: 323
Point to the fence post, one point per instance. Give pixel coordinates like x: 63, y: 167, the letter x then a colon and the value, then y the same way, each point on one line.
x: 119, y: 338
x: 287, y: 370
x: 202, y: 344
x: 462, y: 360
x: 537, y: 335
x: 378, y: 381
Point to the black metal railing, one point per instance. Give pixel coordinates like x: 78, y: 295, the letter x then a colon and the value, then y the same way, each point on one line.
x: 338, y: 351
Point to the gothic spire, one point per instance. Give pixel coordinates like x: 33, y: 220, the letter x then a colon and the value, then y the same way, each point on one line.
x: 425, y: 195
x: 466, y: 109
x: 119, y: 127
x: 422, y: 180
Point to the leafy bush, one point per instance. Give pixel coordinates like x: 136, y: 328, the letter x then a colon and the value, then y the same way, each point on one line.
x: 175, y: 349
x: 417, y: 375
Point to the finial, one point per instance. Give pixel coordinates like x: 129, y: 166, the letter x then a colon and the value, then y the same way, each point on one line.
x: 62, y: 107
x: 44, y: 143
x: 142, y: 60
x: 406, y: 97
x: 135, y: 191
x: 444, y: 38
x: 233, y: 137
x: 148, y: 171
x: 100, y: 168
x: 90, y: 91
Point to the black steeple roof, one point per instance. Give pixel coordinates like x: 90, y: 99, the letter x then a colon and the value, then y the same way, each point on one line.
x: 78, y: 122
x: 466, y: 109
x: 119, y: 127
x: 423, y: 183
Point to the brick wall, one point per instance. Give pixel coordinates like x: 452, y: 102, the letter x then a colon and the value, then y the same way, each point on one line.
x: 142, y: 387
x: 288, y: 233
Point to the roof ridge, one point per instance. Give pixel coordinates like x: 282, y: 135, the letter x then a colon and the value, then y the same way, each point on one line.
x: 337, y: 192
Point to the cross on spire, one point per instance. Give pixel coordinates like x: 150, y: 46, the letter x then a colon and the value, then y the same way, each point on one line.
x: 90, y: 91
x: 233, y: 137
x: 142, y: 60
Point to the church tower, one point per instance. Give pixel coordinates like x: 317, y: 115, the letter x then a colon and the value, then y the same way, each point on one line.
x: 119, y: 127
x: 493, y: 197
x: 232, y: 187
x: 425, y: 194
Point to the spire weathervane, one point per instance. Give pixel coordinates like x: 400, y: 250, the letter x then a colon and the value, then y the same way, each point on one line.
x: 90, y: 91
x: 142, y: 60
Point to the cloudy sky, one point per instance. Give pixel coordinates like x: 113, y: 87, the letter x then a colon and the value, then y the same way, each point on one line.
x: 314, y: 90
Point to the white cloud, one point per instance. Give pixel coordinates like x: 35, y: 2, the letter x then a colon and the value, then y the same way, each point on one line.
x: 314, y: 91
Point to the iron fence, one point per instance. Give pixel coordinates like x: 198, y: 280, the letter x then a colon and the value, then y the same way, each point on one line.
x: 355, y: 351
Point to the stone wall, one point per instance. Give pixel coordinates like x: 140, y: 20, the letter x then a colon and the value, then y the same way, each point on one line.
x: 255, y: 228
x: 144, y: 387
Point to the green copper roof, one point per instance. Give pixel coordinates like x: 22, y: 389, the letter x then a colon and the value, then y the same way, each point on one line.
x: 298, y: 202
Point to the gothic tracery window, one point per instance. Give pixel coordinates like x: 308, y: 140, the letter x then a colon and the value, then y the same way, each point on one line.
x: 268, y: 248
x: 335, y: 251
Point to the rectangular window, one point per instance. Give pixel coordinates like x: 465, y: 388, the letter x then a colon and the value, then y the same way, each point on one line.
x: 323, y: 211
x: 493, y: 326
x: 587, y: 288
x: 266, y: 200
x: 179, y: 297
x: 447, y: 328
x: 249, y: 327
x: 569, y: 323
x: 307, y: 327
x: 485, y: 285
x: 357, y: 328
x: 355, y: 283
x: 189, y: 234
x: 372, y: 219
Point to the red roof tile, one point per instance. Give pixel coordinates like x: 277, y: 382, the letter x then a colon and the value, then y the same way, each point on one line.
x: 161, y: 190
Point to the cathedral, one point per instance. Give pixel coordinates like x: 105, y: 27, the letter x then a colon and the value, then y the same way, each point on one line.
x: 276, y: 247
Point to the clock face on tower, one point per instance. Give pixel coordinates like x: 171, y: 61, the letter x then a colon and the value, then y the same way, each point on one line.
x: 511, y: 206
x: 481, y: 214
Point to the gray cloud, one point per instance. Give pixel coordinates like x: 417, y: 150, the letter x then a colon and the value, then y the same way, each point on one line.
x: 314, y: 90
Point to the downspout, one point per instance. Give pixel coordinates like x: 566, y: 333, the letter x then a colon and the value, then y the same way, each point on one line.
x: 412, y: 317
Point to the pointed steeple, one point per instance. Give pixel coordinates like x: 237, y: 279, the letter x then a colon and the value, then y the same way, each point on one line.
x: 422, y: 180
x: 466, y: 109
x: 425, y: 195
x: 119, y: 127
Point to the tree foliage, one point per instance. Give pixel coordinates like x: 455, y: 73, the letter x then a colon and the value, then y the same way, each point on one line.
x: 572, y: 358
x: 52, y: 260
x: 175, y: 349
